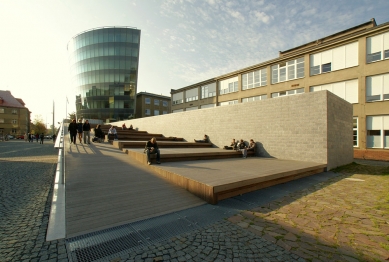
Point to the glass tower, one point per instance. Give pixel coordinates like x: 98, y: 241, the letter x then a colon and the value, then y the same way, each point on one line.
x: 104, y: 66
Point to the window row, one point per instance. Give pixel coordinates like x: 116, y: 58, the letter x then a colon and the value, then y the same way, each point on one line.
x: 254, y: 98
x: 156, y: 112
x: 103, y: 76
x: 227, y: 103
x: 287, y: 70
x: 107, y: 103
x: 103, y: 36
x: 102, y: 51
x: 254, y: 79
x: 105, y: 64
x: 107, y: 90
x: 377, y: 48
x: 13, y: 121
x: 156, y: 102
x: 334, y: 59
x: 288, y: 92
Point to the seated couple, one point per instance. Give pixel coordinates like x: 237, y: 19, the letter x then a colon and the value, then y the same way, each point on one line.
x: 125, y: 128
x: 241, y: 146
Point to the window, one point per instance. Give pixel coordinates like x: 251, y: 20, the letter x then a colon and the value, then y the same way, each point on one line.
x: 377, y: 88
x: 191, y: 108
x: 348, y: 90
x: 377, y: 131
x: 287, y: 70
x: 13, y: 131
x: 191, y: 95
x: 14, y: 111
x: 288, y: 93
x: 147, y: 112
x: 14, y: 121
x: 1, y: 110
x: 178, y: 98
x: 156, y: 102
x: 254, y: 98
x: 335, y: 59
x: 147, y: 100
x: 164, y: 112
x: 208, y: 90
x: 164, y: 103
x: 228, y: 86
x: 355, y: 131
x: 156, y: 112
x: 377, y: 48
x: 254, y: 79
x: 232, y: 102
x: 178, y: 110
x: 207, y: 106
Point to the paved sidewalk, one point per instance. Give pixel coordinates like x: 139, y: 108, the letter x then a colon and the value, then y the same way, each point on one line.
x: 26, y: 180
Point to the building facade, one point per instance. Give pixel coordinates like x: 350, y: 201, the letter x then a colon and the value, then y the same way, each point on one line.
x: 104, y: 66
x: 14, y: 116
x: 148, y: 104
x: 353, y: 64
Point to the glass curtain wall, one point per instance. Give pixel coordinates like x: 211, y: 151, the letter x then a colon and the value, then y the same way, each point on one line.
x: 104, y: 66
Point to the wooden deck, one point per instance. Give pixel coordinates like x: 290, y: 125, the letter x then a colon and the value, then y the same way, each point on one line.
x: 106, y: 187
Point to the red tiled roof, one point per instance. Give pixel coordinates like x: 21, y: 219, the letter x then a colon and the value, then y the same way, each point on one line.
x: 9, y: 101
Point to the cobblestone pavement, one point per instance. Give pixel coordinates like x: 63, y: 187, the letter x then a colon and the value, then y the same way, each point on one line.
x: 27, y: 173
x: 343, y: 219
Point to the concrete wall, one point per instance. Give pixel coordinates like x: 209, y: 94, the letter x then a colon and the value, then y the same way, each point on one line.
x: 313, y: 127
x: 339, y: 131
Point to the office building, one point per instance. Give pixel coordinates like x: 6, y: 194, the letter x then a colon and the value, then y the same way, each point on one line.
x: 148, y: 104
x: 353, y: 64
x: 104, y: 66
x: 14, y: 116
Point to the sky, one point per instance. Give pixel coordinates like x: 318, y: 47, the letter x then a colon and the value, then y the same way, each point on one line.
x: 182, y: 41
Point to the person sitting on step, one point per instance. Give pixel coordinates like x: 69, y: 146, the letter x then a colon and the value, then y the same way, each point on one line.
x: 204, y: 140
x: 242, y: 147
x: 233, y: 145
x: 152, y: 148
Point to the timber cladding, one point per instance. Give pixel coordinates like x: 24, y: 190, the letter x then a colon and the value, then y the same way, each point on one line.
x: 313, y: 127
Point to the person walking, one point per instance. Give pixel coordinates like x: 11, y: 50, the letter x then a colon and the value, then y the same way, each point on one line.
x: 41, y: 137
x: 152, y: 148
x: 86, y: 130
x: 79, y: 130
x: 37, y: 137
x: 73, y: 131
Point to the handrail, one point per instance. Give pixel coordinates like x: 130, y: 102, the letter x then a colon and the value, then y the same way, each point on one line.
x: 59, y: 143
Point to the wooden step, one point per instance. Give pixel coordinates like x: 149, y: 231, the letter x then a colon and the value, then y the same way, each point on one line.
x: 222, y: 183
x: 162, y: 144
x: 185, y: 154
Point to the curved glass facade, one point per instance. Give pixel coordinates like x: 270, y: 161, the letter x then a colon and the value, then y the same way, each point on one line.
x: 104, y: 66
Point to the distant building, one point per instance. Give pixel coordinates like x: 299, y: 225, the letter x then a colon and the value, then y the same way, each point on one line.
x: 353, y: 64
x: 104, y: 65
x: 14, y: 116
x: 148, y: 104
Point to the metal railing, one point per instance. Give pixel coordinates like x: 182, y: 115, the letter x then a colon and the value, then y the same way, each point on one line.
x: 59, y: 143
